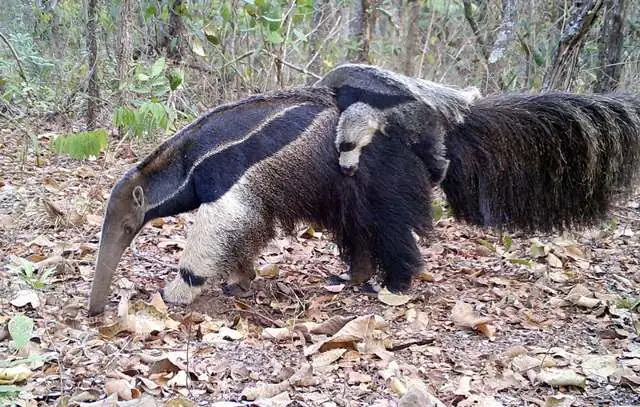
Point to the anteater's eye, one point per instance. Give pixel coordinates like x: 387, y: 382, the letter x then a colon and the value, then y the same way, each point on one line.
x: 128, y: 229
x: 344, y: 147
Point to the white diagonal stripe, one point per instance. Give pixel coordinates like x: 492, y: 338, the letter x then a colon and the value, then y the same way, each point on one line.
x: 221, y: 148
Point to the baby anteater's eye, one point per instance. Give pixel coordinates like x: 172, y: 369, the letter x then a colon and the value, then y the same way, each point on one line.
x: 345, y: 146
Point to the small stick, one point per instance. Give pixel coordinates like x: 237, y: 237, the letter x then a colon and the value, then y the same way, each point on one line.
x: 409, y: 344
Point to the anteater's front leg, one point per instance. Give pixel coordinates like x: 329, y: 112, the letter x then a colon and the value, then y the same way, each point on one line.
x: 226, y: 237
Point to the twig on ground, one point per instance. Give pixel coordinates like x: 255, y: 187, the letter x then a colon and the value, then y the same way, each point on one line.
x: 420, y: 342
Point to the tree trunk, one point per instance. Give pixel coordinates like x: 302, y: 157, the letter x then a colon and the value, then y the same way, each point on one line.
x: 468, y: 15
x: 411, y: 39
x: 503, y: 44
x: 320, y: 13
x: 93, y: 91
x: 124, y: 52
x: 174, y: 40
x: 565, y: 58
x: 360, y: 32
x: 610, y: 47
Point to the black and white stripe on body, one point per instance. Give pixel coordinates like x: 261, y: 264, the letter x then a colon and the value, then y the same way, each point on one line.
x: 372, y: 99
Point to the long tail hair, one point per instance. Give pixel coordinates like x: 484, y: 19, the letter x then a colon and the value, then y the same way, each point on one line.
x: 542, y: 162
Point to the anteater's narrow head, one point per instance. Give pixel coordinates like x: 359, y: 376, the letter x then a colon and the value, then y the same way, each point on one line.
x: 124, y: 217
x: 356, y: 128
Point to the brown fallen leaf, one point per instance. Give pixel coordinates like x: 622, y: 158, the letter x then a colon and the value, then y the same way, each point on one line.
x: 331, y: 326
x: 269, y: 271
x: 266, y: 391
x: 26, y: 297
x: 14, y: 374
x: 122, y: 388
x: 387, y: 297
x: 142, y: 319
x: 364, y: 334
x: 561, y: 377
x: 464, y: 316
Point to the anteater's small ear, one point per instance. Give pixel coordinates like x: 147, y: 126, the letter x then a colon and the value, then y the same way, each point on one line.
x: 138, y: 196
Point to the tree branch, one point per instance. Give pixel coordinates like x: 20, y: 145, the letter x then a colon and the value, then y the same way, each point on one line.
x: 15, y: 55
x: 292, y: 66
x: 565, y: 57
x: 468, y: 14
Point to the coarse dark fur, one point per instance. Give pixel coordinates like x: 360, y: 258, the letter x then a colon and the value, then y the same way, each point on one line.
x: 542, y: 162
x: 265, y: 161
x: 417, y: 111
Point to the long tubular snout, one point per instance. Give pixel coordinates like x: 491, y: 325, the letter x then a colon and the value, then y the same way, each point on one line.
x: 108, y: 258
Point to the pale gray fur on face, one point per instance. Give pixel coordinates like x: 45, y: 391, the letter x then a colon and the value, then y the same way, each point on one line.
x: 357, y: 125
x: 237, y: 226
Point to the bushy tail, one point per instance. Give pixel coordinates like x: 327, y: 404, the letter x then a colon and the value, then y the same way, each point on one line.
x: 542, y: 162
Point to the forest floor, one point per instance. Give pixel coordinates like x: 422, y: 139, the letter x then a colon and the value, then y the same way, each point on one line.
x: 546, y: 320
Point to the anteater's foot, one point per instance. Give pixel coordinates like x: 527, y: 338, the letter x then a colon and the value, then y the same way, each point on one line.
x: 180, y: 293
x: 398, y: 286
x: 369, y: 288
x: 236, y: 290
x: 340, y: 279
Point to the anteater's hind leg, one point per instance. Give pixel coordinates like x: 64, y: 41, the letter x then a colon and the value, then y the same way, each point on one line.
x: 361, y: 268
x: 226, y: 237
x: 399, y: 257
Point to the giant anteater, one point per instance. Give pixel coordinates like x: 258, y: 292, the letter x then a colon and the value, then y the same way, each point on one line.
x: 263, y: 161
x: 526, y: 161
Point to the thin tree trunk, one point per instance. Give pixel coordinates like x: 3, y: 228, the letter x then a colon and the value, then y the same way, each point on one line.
x: 411, y: 39
x: 503, y: 44
x: 565, y: 59
x: 93, y: 91
x: 124, y: 52
x: 175, y: 41
x: 468, y: 14
x: 360, y: 31
x: 320, y: 12
x: 611, y: 42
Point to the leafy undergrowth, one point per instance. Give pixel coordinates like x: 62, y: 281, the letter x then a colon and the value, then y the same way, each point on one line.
x: 518, y: 320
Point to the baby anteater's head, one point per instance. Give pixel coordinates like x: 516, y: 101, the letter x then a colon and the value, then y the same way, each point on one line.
x: 356, y: 127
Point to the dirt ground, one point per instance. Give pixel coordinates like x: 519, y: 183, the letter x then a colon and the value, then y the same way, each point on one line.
x: 548, y: 320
